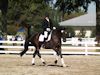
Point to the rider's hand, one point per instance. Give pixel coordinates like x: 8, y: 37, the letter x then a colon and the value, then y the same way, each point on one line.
x: 54, y: 28
x: 48, y: 29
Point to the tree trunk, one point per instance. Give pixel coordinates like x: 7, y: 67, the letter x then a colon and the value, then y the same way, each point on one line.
x: 98, y: 21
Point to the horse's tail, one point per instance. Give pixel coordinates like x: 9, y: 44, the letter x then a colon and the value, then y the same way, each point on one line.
x: 25, y: 48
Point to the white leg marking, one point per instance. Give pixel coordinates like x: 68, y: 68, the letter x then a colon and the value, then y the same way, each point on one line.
x: 32, y: 60
x: 42, y: 60
x: 62, y: 60
x: 56, y: 55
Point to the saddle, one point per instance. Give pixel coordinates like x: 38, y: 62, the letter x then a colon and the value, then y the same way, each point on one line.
x: 45, y: 37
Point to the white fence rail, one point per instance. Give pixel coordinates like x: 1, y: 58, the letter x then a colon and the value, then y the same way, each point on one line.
x: 85, y: 46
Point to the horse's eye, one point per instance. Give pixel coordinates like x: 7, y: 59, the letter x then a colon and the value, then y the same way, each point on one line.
x: 62, y: 31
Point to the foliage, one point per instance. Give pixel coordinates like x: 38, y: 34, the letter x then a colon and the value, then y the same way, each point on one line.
x: 93, y: 33
x: 72, y: 15
x: 70, y: 6
x: 3, y: 8
x: 82, y: 33
x: 30, y: 11
x: 70, y: 32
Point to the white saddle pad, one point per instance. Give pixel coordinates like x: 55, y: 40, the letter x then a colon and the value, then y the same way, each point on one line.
x: 41, y: 38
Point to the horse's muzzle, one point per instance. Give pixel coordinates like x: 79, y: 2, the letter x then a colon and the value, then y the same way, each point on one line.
x: 64, y: 39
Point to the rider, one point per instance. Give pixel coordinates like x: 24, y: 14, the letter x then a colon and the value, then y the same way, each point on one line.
x: 47, y: 26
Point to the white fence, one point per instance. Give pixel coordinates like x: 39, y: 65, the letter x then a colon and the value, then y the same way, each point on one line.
x: 85, y: 45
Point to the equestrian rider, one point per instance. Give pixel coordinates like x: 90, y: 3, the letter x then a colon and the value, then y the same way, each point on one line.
x: 47, y: 26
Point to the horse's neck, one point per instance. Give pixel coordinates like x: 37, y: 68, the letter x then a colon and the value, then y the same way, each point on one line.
x: 57, y: 32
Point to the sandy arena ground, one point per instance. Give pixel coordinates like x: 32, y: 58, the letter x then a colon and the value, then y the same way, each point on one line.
x: 76, y: 65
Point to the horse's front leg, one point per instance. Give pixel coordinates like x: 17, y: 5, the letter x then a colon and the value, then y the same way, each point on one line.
x: 62, y: 60
x: 56, y: 55
x: 25, y: 48
x: 33, y: 59
x: 39, y: 55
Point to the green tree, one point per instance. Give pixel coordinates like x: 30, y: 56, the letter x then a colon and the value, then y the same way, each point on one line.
x: 82, y: 33
x: 70, y: 31
x: 31, y: 11
x: 4, y: 7
x: 68, y: 6
x: 93, y: 34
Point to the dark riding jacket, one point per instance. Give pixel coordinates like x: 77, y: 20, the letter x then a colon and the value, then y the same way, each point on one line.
x: 46, y: 24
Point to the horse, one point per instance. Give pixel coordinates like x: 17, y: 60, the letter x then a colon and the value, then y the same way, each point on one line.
x: 54, y: 43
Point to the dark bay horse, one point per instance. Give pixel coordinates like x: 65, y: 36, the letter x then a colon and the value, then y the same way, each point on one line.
x: 54, y: 43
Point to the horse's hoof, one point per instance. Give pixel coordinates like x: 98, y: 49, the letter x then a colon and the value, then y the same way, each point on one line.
x: 33, y: 64
x: 56, y: 61
x: 64, y: 65
x: 44, y: 63
x: 21, y: 55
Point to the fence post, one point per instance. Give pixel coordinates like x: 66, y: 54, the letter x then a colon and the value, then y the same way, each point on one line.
x: 86, y: 48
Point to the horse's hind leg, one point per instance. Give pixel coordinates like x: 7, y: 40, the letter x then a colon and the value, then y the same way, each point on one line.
x: 39, y: 55
x: 25, y: 48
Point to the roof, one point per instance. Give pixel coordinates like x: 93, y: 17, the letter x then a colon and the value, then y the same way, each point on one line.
x: 84, y: 20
